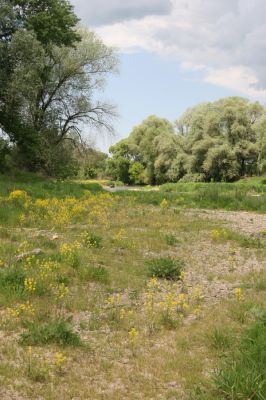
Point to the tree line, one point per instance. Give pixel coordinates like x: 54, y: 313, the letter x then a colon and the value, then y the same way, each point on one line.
x: 219, y: 141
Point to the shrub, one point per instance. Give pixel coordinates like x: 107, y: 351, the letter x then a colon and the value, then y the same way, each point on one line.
x: 166, y: 268
x: 55, y: 332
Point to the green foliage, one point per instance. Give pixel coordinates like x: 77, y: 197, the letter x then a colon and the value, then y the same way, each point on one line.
x: 90, y: 172
x: 95, y: 163
x: 12, y: 279
x: 243, y: 375
x: 53, y: 21
x: 92, y: 240
x: 219, y: 141
x: 55, y: 332
x: 220, y: 339
x: 4, y: 151
x: 137, y: 173
x: 49, y: 87
x: 171, y: 240
x: 166, y: 268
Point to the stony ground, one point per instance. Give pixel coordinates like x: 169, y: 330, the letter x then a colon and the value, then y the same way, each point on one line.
x: 164, y: 363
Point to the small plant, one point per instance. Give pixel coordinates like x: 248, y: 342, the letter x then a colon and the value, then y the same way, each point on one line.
x: 220, y: 339
x: 56, y: 332
x: 37, y: 369
x: 94, y: 274
x: 92, y: 240
x: 166, y: 268
x: 171, y: 240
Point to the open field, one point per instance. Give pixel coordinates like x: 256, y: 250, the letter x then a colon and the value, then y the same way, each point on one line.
x: 86, y: 313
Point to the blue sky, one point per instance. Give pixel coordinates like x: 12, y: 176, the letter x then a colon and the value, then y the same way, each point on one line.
x: 149, y: 84
x: 177, y: 53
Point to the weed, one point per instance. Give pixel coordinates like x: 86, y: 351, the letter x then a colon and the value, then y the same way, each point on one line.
x: 166, y: 268
x: 92, y: 240
x: 220, y: 339
x: 171, y: 240
x: 55, y: 332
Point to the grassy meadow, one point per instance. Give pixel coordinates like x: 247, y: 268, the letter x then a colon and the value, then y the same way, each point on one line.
x: 132, y: 295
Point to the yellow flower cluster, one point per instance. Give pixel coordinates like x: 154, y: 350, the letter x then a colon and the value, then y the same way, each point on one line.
x: 113, y: 300
x: 2, y: 264
x: 217, y: 234
x: 25, y: 309
x: 60, y: 290
x: 133, y: 335
x: 18, y: 195
x: 69, y: 251
x: 59, y: 360
x: 238, y: 294
x: 30, y: 285
x: 119, y: 236
x: 123, y: 314
x: 164, y: 204
x: 47, y: 268
x: 59, y: 212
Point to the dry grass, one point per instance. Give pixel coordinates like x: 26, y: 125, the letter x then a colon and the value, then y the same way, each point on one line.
x: 168, y: 358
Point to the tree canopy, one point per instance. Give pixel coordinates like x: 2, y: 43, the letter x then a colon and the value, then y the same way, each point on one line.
x: 50, y: 87
x: 219, y: 141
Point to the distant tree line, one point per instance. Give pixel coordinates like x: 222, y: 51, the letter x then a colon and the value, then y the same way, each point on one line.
x: 220, y: 141
x: 50, y: 74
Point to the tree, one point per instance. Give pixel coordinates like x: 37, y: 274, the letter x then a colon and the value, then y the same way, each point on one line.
x: 221, y: 135
x: 220, y: 141
x: 51, y: 94
x: 52, y: 21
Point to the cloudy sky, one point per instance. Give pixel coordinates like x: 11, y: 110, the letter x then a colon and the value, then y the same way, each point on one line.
x: 176, y: 53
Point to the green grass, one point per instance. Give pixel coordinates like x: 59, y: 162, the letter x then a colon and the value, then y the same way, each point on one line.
x: 228, y: 196
x: 242, y: 375
x: 55, y: 332
x: 41, y: 187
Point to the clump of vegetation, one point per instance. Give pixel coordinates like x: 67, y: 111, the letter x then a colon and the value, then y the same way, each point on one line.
x: 165, y: 268
x: 12, y: 279
x: 54, y: 332
x: 243, y: 375
x: 92, y: 240
x: 170, y: 239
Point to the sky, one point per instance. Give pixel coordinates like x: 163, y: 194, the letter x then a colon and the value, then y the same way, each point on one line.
x: 175, y: 54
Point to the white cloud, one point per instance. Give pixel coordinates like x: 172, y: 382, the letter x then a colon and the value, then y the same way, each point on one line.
x: 238, y: 78
x: 223, y: 38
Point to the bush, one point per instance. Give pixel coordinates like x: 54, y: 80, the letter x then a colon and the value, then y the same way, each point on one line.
x: 55, y: 332
x: 243, y: 375
x: 90, y: 172
x: 166, y: 268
